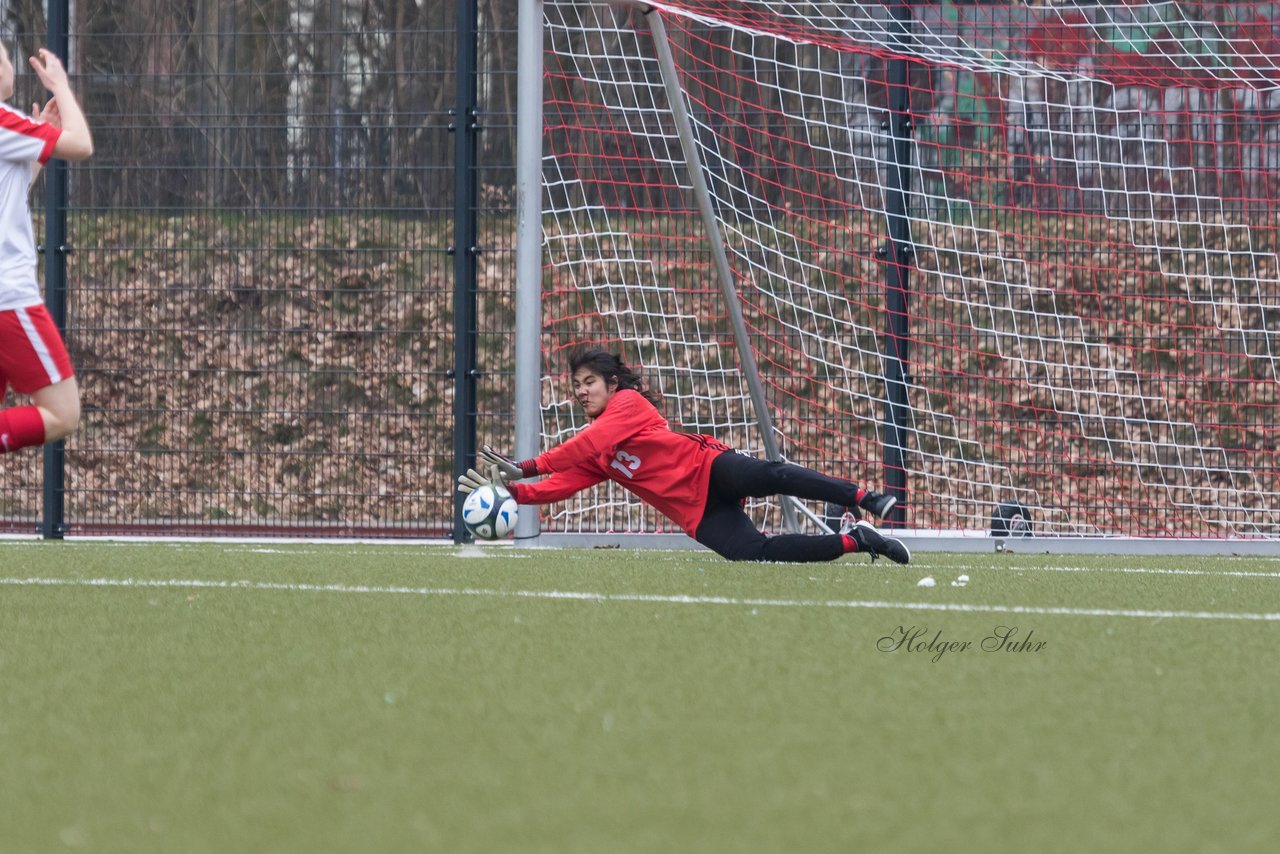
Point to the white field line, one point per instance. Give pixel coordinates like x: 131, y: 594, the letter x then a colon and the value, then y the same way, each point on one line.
x: 1128, y: 570
x: 676, y: 599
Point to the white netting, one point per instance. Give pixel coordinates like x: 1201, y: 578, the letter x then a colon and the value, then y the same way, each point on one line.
x: 1094, y: 302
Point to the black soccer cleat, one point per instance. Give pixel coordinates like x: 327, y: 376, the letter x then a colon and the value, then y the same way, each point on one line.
x: 874, y: 543
x: 878, y: 504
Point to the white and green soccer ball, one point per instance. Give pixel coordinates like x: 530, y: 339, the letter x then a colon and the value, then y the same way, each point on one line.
x: 489, y: 512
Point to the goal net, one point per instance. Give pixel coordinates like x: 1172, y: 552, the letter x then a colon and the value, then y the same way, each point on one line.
x: 1093, y: 300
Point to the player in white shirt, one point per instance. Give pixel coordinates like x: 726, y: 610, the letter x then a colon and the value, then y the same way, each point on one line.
x: 33, y: 358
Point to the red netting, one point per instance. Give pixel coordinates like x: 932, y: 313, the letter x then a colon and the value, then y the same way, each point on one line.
x: 1094, y: 297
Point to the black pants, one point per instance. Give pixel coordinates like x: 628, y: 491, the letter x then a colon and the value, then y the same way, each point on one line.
x: 728, y: 531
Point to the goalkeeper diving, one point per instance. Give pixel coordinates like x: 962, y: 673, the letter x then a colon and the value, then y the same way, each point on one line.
x: 694, y: 480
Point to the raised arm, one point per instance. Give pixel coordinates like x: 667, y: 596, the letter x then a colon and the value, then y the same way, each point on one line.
x: 48, y: 115
x: 76, y: 141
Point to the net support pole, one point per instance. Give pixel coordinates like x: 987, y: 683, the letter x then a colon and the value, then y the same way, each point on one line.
x: 465, y: 373
x: 56, y: 248
x: 528, y: 326
x: 898, y: 255
x: 720, y: 257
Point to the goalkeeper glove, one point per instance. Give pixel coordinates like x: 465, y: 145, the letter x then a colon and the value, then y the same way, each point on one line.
x: 473, y: 480
x: 509, y: 468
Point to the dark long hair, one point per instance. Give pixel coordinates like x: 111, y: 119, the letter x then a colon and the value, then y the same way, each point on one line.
x: 613, y: 369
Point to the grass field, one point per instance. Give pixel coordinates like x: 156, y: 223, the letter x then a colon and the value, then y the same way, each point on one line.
x: 383, y: 698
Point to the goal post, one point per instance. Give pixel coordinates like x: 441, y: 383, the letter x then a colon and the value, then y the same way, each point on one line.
x: 1077, y: 204
x: 528, y: 309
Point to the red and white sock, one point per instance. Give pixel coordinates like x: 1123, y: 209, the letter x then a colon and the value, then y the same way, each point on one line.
x: 850, y: 544
x: 20, y: 427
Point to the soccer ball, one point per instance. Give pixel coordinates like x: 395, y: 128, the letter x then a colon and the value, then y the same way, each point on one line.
x: 489, y: 512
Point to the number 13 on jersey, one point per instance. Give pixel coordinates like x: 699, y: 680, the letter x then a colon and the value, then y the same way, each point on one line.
x: 626, y: 463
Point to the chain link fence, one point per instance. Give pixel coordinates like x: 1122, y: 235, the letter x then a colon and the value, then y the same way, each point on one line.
x: 261, y: 284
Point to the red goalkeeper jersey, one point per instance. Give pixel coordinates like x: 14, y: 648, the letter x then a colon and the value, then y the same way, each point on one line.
x: 632, y: 444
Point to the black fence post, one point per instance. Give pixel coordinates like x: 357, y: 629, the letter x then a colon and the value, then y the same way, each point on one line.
x: 899, y: 255
x: 56, y: 248
x: 465, y: 251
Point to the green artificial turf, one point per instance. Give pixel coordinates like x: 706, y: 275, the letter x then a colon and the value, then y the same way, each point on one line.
x: 372, y: 698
